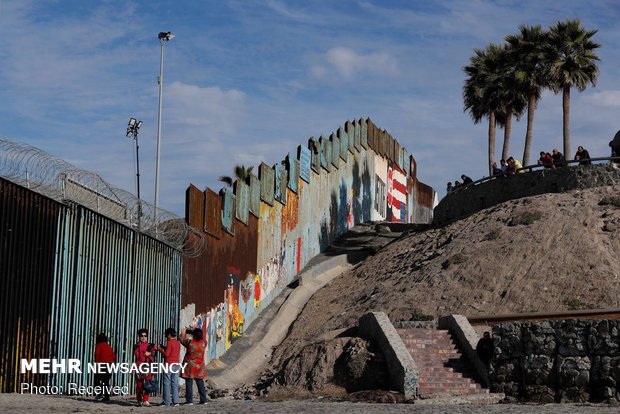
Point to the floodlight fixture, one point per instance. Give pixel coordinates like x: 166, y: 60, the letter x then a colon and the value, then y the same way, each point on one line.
x: 165, y: 36
x: 133, y: 126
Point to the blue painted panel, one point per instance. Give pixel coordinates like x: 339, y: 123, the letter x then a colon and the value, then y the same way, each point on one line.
x: 267, y: 178
x: 228, y: 207
x: 344, y: 144
x: 305, y: 159
x: 363, y: 133
x: 335, y: 158
x: 293, y: 173
x: 405, y: 161
x: 242, y: 206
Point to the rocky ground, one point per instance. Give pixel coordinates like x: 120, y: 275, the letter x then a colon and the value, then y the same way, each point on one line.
x: 16, y: 403
x: 545, y: 253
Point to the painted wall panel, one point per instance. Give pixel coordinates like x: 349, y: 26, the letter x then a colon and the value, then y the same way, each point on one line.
x: 327, y: 145
x: 293, y: 173
x: 323, y: 154
x: 228, y: 210
x: 267, y: 183
x: 335, y: 160
x: 363, y: 132
x: 254, y: 196
x: 213, y: 213
x: 305, y: 160
x: 315, y: 154
x: 344, y: 144
x: 357, y: 133
x: 242, y: 201
x: 348, y: 129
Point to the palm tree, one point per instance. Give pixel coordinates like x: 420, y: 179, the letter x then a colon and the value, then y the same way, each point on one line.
x: 529, y: 51
x: 241, y: 174
x: 481, y: 90
x: 512, y: 98
x: 573, y: 65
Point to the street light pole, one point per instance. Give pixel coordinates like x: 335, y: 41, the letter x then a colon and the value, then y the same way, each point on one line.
x: 132, y: 132
x: 164, y: 37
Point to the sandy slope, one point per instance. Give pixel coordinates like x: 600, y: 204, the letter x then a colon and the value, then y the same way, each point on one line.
x: 482, y: 264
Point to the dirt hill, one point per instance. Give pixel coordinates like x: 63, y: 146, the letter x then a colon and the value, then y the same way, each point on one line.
x: 542, y: 253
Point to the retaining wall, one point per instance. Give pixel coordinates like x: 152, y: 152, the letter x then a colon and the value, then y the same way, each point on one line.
x: 262, y: 232
x: 561, y: 361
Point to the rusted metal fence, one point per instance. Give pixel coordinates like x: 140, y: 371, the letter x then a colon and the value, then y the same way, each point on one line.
x: 70, y: 273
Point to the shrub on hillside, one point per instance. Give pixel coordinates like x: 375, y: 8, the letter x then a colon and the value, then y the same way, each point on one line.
x: 456, y: 259
x: 610, y: 200
x: 526, y: 218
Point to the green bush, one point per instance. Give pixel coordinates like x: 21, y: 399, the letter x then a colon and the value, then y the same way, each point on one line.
x: 610, y: 200
x: 526, y: 218
x: 456, y: 259
x: 493, y: 234
x: 575, y: 304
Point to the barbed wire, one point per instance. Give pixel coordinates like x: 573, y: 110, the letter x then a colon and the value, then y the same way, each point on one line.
x: 53, y: 177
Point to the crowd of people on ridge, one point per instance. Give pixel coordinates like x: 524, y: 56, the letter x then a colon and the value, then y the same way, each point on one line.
x: 145, y: 352
x: 556, y: 159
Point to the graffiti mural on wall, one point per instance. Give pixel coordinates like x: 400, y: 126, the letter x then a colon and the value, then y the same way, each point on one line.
x: 305, y: 203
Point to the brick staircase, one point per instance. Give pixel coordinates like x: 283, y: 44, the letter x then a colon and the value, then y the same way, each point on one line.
x: 443, y: 371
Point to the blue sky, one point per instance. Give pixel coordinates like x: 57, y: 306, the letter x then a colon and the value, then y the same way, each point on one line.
x: 246, y: 81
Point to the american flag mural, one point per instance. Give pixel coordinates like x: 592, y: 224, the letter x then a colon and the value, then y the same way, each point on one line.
x: 397, y: 195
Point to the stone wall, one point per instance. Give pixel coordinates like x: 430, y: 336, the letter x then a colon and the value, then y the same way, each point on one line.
x: 474, y: 198
x: 557, y: 361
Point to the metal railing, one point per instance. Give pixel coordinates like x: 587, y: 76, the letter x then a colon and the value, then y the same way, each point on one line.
x: 529, y: 169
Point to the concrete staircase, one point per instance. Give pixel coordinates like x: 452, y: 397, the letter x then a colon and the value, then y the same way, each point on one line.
x: 443, y: 370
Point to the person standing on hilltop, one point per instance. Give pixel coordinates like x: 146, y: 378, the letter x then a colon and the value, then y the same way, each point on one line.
x: 558, y: 158
x: 546, y: 160
x: 583, y: 156
x: 449, y: 187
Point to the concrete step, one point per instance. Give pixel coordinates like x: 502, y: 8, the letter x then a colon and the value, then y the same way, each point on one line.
x: 428, y: 391
x: 442, y: 368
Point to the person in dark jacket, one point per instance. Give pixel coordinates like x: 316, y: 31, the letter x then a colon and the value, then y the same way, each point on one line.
x: 104, y: 354
x: 558, y: 158
x: 485, y: 348
x: 615, y: 145
x: 466, y: 179
x: 583, y: 156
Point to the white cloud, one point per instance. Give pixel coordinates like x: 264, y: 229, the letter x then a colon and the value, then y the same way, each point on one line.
x: 210, y: 107
x: 349, y: 64
x: 609, y: 98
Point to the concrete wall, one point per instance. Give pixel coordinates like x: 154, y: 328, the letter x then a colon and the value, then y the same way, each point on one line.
x: 262, y: 232
x: 561, y: 361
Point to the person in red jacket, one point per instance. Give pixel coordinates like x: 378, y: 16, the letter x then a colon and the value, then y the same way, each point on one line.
x: 143, y: 351
x: 103, y: 353
x: 172, y: 353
